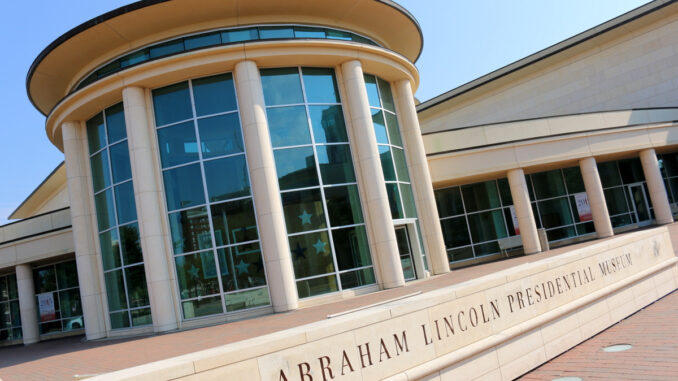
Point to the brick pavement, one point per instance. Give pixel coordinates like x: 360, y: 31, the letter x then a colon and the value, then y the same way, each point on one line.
x: 63, y: 359
x: 653, y: 333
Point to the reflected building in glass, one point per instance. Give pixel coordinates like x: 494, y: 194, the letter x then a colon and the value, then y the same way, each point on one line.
x: 222, y: 165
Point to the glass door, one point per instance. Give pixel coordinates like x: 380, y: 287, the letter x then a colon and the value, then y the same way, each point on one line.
x: 640, y: 205
x: 405, y: 251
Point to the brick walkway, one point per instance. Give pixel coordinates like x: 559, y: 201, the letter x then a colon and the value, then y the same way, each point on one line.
x: 63, y: 359
x: 653, y: 333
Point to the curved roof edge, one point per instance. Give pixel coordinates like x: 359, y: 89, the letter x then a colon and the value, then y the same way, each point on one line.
x: 147, y: 3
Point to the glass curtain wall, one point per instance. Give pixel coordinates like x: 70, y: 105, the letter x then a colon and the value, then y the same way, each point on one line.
x: 10, y: 317
x: 615, y: 177
x: 123, y: 263
x: 668, y: 163
x: 215, y: 239
x: 473, y: 217
x: 57, y: 292
x: 320, y: 199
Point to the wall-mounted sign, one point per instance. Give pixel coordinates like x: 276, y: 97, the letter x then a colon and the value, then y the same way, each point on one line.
x: 46, y: 306
x: 583, y: 207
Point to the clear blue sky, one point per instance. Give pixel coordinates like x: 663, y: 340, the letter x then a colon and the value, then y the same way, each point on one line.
x: 463, y: 40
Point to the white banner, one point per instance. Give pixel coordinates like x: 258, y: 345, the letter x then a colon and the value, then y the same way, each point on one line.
x: 514, y: 218
x: 583, y: 207
x: 46, y: 306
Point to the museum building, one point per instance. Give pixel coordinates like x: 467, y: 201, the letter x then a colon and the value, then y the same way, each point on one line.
x: 230, y: 159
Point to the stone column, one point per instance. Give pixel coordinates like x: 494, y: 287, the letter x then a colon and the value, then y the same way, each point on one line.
x: 27, y: 304
x: 655, y: 184
x: 265, y: 189
x: 148, y: 195
x: 417, y: 166
x: 86, y: 257
x: 521, y: 202
x: 375, y: 199
x: 594, y: 192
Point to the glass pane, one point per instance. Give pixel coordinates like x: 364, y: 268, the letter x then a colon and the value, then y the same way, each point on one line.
x: 609, y: 174
x: 234, y: 222
x: 202, y: 307
x: 276, y: 32
x: 240, y: 35
x: 227, y: 178
x: 622, y: 220
x: 120, y: 162
x: 481, y: 196
x: 108, y: 69
x: 343, y: 205
x: 110, y: 254
x: 67, y: 274
x: 172, y: 104
x: 585, y: 228
x: 104, y: 206
x: 631, y: 171
x: 115, y: 290
x: 548, y: 184
x: 288, y: 126
x: 54, y: 326
x: 386, y: 96
x: 338, y: 35
x: 408, y: 201
x: 115, y: 123
x: 486, y: 248
x: 449, y: 202
x: 220, y: 135
x: 190, y: 230
x: 328, y: 124
x: 136, y: 286
x: 401, y: 165
x: 96, y: 133
x: 202, y: 41
x: 357, y: 278
x: 131, y: 245
x: 394, y: 201
x: 124, y: 203
x: 320, y: 85
x: 197, y: 275
x: 15, y: 311
x: 455, y: 232
x: 281, y: 86
x: 486, y: 226
x: 45, y: 279
x: 560, y: 233
x: 387, y: 163
x: 119, y: 320
x: 303, y: 210
x: 615, y: 199
x: 573, y: 180
x: 296, y: 168
x: 69, y: 305
x: 12, y: 286
x: 460, y: 254
x: 379, y: 126
x: 247, y: 299
x: 336, y: 166
x: 305, y: 32
x: 4, y: 291
x: 166, y: 49
x: 134, y: 58
x: 555, y: 212
x: 183, y: 187
x: 177, y: 144
x: 311, y: 254
x: 351, y: 247
x: 214, y: 95
x: 141, y: 317
x: 670, y: 161
x: 241, y: 267
x: 101, y: 173
x: 317, y: 286
x: 5, y: 317
x: 505, y: 192
x: 393, y: 129
x: 372, y: 92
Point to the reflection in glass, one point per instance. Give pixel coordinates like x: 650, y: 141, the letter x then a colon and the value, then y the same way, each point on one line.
x: 214, y: 95
x: 336, y: 166
x: 320, y: 85
x: 328, y: 124
x: 288, y: 126
x: 296, y: 168
x: 227, y: 178
x: 190, y: 230
x: 234, y: 222
x: 177, y: 144
x: 311, y: 254
x: 303, y: 210
x: 220, y: 135
x: 178, y: 194
x: 241, y: 267
x: 281, y: 86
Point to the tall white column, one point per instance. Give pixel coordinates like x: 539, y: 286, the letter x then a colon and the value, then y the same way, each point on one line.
x: 366, y: 156
x: 655, y: 184
x: 86, y: 257
x: 265, y: 189
x: 422, y: 188
x: 148, y: 196
x: 521, y: 202
x: 596, y: 196
x: 27, y: 304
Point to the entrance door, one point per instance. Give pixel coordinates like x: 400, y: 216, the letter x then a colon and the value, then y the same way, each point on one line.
x: 640, y: 204
x: 405, y: 251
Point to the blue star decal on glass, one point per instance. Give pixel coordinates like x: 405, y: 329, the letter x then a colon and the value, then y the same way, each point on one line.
x: 193, y: 271
x: 319, y: 246
x: 299, y: 252
x: 242, y: 267
x: 305, y: 217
